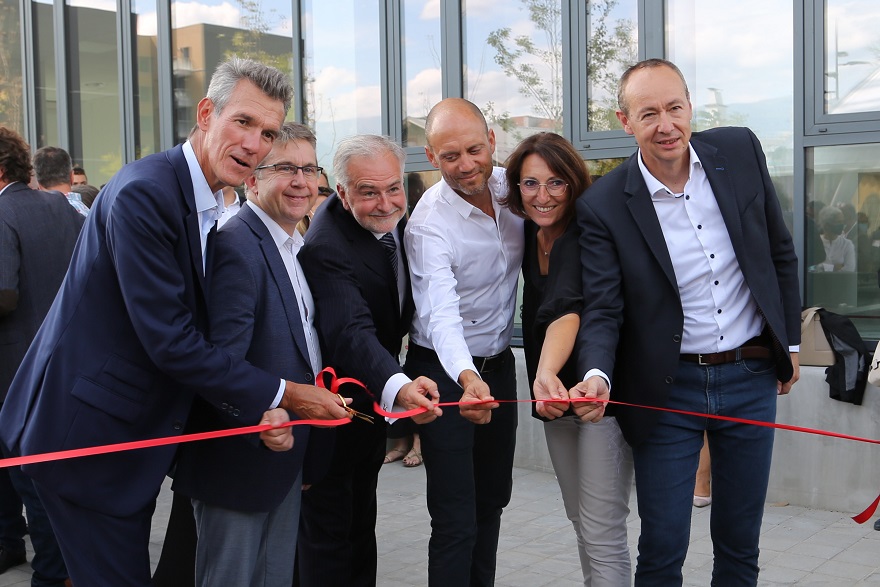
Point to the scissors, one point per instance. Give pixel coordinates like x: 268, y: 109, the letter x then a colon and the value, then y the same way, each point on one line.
x: 355, y: 414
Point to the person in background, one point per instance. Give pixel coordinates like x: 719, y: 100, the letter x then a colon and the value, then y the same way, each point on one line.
x: 703, y: 482
x: 691, y: 302
x: 840, y: 252
x: 54, y: 173
x: 87, y: 193
x: 233, y: 201
x: 593, y: 463
x: 79, y: 176
x: 38, y: 232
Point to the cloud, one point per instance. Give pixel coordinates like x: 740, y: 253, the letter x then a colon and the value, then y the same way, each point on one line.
x: 423, y: 91
x: 189, y: 13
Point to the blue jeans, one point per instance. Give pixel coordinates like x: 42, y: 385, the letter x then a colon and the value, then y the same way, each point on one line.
x: 666, y: 463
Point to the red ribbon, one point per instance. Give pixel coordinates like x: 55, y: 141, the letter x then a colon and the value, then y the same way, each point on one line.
x: 334, y: 385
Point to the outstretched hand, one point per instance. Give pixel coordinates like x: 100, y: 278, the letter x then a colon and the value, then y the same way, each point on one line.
x: 420, y: 393
x: 551, y: 395
x: 277, y: 439
x: 594, y: 387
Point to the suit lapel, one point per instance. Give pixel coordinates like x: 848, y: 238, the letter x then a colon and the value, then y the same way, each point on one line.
x: 642, y: 209
x: 721, y: 181
x: 278, y: 271
x: 192, y: 227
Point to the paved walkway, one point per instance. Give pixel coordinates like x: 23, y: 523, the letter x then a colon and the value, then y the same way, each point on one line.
x: 799, y: 546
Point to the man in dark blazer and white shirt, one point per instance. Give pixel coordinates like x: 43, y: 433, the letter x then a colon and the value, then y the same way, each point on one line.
x: 122, y: 352
x: 37, y: 236
x: 692, y: 302
x: 246, y: 498
x: 357, y: 269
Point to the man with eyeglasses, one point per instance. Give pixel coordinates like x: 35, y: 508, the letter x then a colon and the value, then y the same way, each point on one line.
x: 246, y: 499
x: 465, y: 253
x: 357, y: 269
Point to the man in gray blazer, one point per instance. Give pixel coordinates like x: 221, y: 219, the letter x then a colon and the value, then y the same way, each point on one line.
x: 37, y: 234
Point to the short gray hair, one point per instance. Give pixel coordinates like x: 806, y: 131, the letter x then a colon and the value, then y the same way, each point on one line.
x: 272, y: 82
x: 363, y: 146
x: 623, y: 101
x: 293, y: 131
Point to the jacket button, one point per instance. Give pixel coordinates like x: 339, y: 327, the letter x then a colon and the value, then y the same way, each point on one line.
x: 308, y: 376
x: 177, y: 425
x: 236, y: 413
x: 224, y: 406
x: 669, y: 379
x: 676, y: 338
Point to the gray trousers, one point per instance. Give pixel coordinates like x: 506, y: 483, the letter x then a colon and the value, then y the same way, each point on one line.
x: 594, y: 468
x: 254, y: 549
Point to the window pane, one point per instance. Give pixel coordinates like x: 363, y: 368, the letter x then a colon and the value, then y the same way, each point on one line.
x: 852, y: 82
x: 11, y: 95
x: 613, y: 46
x: 513, y: 67
x: 343, y: 92
x: 44, y: 75
x: 843, y: 233
x: 207, y: 32
x: 421, y: 56
x: 146, y: 110
x: 416, y: 184
x: 94, y: 89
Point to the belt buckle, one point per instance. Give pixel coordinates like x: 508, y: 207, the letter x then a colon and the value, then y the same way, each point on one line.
x: 700, y: 360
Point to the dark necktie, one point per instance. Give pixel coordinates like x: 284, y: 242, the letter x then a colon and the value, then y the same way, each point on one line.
x: 387, y: 241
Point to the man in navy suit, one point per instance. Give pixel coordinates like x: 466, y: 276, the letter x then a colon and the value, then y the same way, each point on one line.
x: 358, y: 271
x: 122, y: 352
x: 246, y: 498
x: 37, y: 236
x: 692, y: 302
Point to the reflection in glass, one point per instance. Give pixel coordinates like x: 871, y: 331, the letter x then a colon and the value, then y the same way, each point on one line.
x: 756, y: 90
x: 513, y: 67
x: 342, y: 69
x: 11, y: 94
x: 44, y: 75
x: 207, y: 32
x: 146, y: 98
x: 842, y: 233
x: 416, y: 184
x: 599, y: 167
x: 94, y: 91
x: 612, y: 47
x: 422, y: 76
x: 852, y: 56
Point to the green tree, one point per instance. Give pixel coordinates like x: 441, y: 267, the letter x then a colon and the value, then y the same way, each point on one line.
x: 11, y: 91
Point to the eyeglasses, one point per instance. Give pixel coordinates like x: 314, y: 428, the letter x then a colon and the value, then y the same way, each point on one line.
x: 554, y: 187
x: 309, y: 171
x: 322, y: 191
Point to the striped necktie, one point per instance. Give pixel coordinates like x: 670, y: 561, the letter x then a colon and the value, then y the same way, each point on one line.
x: 387, y: 241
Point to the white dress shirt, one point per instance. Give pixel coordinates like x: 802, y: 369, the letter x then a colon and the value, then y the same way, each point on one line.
x: 464, y: 267
x: 720, y: 313
x: 288, y: 247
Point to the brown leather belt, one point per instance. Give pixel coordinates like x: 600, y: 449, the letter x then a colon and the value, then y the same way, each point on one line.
x: 743, y: 352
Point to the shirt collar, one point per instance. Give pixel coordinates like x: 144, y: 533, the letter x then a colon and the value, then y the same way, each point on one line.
x: 496, y: 186
x: 655, y: 186
x: 205, y: 200
x: 278, y: 234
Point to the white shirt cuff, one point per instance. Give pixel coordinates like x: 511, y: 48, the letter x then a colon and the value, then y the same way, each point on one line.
x: 389, y: 394
x: 279, y: 395
x: 795, y: 348
x: 601, y: 374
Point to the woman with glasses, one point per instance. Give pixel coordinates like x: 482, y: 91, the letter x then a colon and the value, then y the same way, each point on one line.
x: 593, y: 463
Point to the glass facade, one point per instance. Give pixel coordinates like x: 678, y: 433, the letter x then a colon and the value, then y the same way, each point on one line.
x: 114, y: 81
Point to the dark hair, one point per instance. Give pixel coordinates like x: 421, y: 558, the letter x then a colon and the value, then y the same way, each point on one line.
x: 646, y: 64
x: 562, y: 159
x: 87, y: 193
x: 52, y: 166
x: 15, y: 156
x: 78, y: 170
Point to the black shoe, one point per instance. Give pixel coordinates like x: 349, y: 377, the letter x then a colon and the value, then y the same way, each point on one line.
x: 9, y: 559
x: 877, y: 524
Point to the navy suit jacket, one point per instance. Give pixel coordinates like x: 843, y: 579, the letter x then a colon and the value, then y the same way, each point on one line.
x: 37, y: 235
x: 632, y: 322
x: 122, y: 351
x: 254, y: 315
x: 358, y: 315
